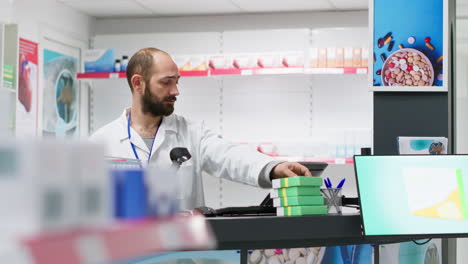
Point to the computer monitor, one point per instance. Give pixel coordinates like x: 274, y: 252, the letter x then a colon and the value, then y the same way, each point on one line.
x: 413, y: 195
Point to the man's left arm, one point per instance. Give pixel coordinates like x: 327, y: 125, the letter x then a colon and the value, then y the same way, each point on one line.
x: 239, y: 163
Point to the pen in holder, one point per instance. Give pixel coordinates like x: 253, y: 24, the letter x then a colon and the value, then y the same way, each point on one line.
x: 333, y: 198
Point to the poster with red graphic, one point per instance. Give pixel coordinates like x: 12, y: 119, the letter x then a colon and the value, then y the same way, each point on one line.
x: 26, y: 105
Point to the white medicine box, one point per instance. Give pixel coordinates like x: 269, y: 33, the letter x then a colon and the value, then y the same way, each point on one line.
x: 36, y: 193
x: 94, y: 186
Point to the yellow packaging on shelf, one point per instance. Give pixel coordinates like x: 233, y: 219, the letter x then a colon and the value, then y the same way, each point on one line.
x: 302, y: 210
x: 296, y: 181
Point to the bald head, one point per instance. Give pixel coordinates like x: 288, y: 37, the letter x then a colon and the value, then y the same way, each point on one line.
x: 142, y: 63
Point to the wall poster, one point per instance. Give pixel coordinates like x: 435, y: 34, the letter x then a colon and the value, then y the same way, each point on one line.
x: 60, y: 95
x: 410, y: 46
x: 27, y: 103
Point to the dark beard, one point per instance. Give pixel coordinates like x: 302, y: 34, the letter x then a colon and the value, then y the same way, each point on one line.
x: 152, y: 105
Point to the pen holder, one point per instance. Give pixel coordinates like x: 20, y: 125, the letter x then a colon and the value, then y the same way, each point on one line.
x: 333, y: 198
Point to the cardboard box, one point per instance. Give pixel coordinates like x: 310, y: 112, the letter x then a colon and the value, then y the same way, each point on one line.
x: 348, y: 57
x: 99, y: 60
x: 93, y: 181
x: 295, y: 191
x: 298, y: 201
x: 322, y: 57
x: 36, y: 188
x: 339, y: 57
x: 297, y: 181
x: 331, y: 57
x: 302, y: 210
x: 357, y: 54
x: 365, y: 57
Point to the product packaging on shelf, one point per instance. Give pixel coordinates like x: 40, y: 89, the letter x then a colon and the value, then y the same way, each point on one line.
x: 365, y: 57
x: 220, y: 62
x: 348, y: 57
x: 339, y: 57
x: 293, y: 59
x: 99, y: 60
x: 124, y: 63
x: 322, y: 57
x: 357, y: 57
x: 331, y: 57
x: 422, y: 145
x: 269, y: 60
x: 313, y: 57
x: 191, y: 63
x: 244, y: 61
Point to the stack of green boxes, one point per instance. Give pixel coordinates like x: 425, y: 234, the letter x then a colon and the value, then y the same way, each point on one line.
x: 296, y: 196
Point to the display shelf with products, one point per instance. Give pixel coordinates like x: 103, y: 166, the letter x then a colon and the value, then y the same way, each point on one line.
x: 101, y: 75
x: 119, y: 242
x: 330, y: 160
x: 241, y: 72
x: 347, y: 70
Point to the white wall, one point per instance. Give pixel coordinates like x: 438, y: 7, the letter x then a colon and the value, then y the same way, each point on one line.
x: 34, y: 16
x: 462, y: 86
x: 46, y: 22
x: 5, y: 11
x: 232, y: 22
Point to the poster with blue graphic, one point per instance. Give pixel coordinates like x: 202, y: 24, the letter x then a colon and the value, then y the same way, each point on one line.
x: 409, y: 46
x: 60, y: 103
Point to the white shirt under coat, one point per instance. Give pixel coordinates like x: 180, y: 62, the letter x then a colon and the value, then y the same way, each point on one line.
x: 210, y: 153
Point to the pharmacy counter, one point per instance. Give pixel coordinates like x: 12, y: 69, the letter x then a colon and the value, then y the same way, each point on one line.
x: 289, y: 232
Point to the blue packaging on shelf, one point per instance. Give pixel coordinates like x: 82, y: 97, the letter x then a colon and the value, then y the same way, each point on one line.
x: 99, y: 60
x: 130, y: 193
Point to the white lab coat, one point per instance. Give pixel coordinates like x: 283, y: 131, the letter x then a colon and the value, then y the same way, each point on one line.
x: 209, y: 152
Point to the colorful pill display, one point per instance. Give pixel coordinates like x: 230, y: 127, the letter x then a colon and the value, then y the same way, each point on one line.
x: 429, y: 45
x: 387, y: 40
x: 390, y: 46
x: 380, y: 42
x: 387, y: 35
x: 383, y: 57
x: 415, y: 65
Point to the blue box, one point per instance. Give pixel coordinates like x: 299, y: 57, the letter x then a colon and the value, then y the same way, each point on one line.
x: 130, y: 194
x: 99, y: 60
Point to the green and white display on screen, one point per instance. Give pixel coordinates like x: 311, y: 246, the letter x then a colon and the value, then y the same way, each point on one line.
x: 410, y: 195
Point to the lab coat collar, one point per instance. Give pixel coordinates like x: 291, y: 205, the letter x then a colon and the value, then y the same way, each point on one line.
x: 168, y: 124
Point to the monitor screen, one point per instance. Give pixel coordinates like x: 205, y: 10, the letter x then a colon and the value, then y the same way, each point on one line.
x: 413, y: 195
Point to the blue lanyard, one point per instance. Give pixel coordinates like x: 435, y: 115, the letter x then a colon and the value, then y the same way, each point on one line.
x: 133, y: 146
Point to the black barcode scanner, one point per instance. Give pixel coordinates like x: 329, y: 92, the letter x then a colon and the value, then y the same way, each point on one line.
x: 179, y: 155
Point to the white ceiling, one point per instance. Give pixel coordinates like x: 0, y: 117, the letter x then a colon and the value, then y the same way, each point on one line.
x: 146, y: 8
x: 462, y: 8
x: 136, y: 8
